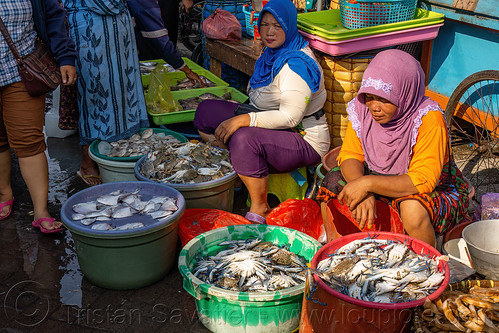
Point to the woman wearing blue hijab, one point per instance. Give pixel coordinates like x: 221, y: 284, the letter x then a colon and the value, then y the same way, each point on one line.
x: 283, y: 127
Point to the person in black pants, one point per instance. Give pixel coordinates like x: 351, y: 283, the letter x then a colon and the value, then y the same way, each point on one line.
x: 170, y: 15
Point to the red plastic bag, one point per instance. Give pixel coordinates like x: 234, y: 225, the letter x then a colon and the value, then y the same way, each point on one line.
x: 339, y: 221
x: 222, y: 25
x: 302, y: 215
x: 195, y: 221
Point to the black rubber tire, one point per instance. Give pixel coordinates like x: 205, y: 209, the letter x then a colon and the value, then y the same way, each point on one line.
x: 464, y: 86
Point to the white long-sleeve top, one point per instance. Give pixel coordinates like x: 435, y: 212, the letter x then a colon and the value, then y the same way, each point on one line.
x: 287, y: 99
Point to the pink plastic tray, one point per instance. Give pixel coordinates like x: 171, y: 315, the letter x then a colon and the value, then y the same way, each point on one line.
x: 372, y: 42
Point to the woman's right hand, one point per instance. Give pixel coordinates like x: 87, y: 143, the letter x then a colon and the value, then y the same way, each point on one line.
x: 226, y: 128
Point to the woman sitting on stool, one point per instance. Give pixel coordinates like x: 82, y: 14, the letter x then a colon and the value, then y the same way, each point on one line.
x: 286, y: 90
x: 402, y: 138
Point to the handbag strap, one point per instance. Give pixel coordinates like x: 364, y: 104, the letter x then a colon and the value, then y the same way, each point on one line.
x: 10, y: 42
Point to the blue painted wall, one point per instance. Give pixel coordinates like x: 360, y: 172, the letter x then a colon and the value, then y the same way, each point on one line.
x: 460, y: 50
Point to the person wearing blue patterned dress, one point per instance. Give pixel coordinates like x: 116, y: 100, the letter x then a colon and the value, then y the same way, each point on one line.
x: 110, y: 96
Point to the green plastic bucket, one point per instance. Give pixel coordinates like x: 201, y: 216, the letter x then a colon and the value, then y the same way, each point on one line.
x: 217, y: 194
x: 125, y: 259
x: 222, y: 310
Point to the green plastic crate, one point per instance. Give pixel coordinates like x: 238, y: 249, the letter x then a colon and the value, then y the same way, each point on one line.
x: 188, y: 115
x: 327, y: 24
x: 177, y: 76
x: 192, y: 65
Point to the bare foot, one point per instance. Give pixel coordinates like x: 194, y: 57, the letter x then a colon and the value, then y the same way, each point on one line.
x: 48, y: 226
x: 4, y: 211
x: 90, y: 176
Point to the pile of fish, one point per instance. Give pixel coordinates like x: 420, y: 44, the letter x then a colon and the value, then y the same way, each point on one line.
x: 380, y: 270
x: 186, y: 163
x: 193, y: 102
x: 137, y: 144
x: 186, y: 84
x: 251, y: 265
x: 120, y: 204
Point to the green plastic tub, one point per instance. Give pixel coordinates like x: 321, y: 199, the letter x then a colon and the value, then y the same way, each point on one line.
x: 95, y: 151
x: 125, y: 259
x: 188, y: 115
x: 222, y: 310
x: 327, y: 24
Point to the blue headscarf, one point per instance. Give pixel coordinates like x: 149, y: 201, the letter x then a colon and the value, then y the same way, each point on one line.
x: 272, y: 60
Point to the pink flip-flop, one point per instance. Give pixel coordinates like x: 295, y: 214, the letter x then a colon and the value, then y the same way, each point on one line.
x: 50, y: 220
x: 6, y: 203
x: 256, y: 218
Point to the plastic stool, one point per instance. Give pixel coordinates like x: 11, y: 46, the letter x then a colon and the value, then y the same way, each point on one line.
x: 289, y: 185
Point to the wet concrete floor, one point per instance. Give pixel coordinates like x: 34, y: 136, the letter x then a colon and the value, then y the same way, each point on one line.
x: 42, y: 288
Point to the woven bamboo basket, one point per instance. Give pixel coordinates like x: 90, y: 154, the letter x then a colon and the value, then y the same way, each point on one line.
x: 342, y: 79
x: 421, y: 326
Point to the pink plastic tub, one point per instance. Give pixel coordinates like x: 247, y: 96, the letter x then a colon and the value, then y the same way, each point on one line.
x: 372, y: 42
x: 326, y: 310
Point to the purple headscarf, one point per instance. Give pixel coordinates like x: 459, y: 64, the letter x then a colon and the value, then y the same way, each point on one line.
x: 397, y: 77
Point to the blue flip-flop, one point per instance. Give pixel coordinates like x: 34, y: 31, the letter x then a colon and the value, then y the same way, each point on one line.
x: 256, y: 218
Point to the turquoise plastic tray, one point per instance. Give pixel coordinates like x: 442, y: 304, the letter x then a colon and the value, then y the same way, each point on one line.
x: 94, y: 149
x: 188, y: 115
x: 327, y: 24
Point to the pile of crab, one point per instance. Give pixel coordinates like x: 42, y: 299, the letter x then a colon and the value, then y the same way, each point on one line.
x: 381, y: 270
x: 186, y: 163
x: 251, y: 265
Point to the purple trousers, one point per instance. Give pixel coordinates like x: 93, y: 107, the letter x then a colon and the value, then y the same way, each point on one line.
x: 256, y: 152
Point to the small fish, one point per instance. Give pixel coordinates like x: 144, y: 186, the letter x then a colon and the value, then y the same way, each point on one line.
x: 87, y: 221
x: 102, y: 226
x: 170, y: 205
x: 109, y: 199
x: 122, y: 212
x: 133, y: 225
x: 85, y: 207
x: 159, y: 214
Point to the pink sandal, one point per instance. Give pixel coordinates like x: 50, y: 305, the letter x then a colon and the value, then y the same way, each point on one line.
x: 50, y: 220
x: 6, y: 203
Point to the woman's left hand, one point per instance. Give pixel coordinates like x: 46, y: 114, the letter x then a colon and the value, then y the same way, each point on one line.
x: 229, y: 126
x: 354, y: 192
x: 68, y: 74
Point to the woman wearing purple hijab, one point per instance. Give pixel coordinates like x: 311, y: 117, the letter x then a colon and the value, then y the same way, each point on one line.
x: 397, y: 146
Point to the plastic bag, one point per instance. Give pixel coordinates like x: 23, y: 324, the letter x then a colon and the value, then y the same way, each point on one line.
x: 159, y: 98
x: 302, y: 215
x: 490, y: 206
x: 195, y: 221
x: 222, y: 25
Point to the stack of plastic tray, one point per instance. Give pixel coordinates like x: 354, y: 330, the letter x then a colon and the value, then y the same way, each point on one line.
x: 324, y: 31
x: 221, y: 88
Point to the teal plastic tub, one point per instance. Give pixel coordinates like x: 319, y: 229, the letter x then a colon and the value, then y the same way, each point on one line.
x: 222, y: 310
x: 95, y: 150
x: 327, y: 24
x: 188, y: 115
x: 125, y: 259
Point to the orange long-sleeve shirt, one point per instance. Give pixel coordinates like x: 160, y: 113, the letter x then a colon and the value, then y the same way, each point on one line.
x: 429, y: 154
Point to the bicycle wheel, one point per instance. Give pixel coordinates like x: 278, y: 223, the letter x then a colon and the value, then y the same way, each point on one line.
x: 472, y: 115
